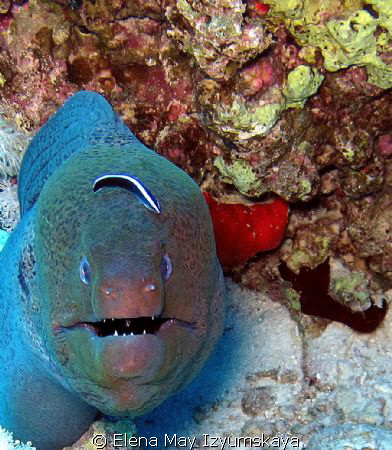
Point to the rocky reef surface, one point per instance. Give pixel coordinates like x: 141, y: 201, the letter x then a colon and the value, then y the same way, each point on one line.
x: 271, y: 378
x: 282, y: 112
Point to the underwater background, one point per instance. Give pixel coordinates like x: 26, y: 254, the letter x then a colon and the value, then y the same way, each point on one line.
x: 282, y: 112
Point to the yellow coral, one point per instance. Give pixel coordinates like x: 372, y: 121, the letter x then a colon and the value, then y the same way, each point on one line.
x: 349, y: 40
x: 302, y: 82
x: 240, y: 174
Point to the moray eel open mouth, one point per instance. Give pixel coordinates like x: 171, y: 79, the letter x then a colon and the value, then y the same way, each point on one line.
x: 130, y: 326
x: 123, y: 327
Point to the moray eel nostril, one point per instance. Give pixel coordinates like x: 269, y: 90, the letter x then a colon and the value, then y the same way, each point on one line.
x: 113, y: 240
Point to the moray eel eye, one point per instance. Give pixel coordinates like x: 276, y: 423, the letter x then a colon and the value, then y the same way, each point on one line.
x: 166, y: 267
x: 85, y: 271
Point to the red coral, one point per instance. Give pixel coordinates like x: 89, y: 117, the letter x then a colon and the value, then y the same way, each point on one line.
x: 5, y: 21
x: 241, y: 231
x: 262, y: 8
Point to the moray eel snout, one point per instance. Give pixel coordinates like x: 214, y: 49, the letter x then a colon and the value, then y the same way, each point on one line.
x: 129, y: 319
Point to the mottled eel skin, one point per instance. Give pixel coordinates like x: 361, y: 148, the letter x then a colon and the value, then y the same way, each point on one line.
x: 78, y: 257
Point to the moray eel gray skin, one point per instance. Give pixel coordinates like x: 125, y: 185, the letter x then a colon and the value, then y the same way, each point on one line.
x: 109, y: 302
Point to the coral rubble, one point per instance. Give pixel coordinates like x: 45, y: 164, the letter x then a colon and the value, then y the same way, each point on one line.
x: 9, y: 206
x: 112, y: 434
x: 8, y: 443
x: 324, y: 388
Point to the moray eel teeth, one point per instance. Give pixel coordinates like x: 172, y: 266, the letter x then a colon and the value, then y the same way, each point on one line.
x: 132, y: 184
x: 129, y: 326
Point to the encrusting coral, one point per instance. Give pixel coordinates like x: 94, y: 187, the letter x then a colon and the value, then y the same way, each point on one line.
x: 217, y: 34
x: 348, y: 39
x: 8, y: 443
x: 9, y: 206
x: 12, y: 145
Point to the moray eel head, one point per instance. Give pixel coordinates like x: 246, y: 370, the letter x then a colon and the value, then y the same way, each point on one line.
x: 131, y: 294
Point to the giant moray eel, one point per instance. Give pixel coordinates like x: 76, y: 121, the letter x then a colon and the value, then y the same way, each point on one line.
x: 111, y: 293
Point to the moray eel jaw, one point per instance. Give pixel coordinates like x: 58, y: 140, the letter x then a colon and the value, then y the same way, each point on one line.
x: 128, y: 326
x: 127, y: 373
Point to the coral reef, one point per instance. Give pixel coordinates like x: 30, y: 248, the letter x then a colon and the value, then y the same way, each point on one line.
x: 261, y: 76
x: 217, y: 34
x: 369, y: 227
x: 322, y: 293
x: 8, y: 443
x: 351, y: 288
x: 106, y: 429
x: 289, y: 97
x: 12, y: 146
x: 343, y: 42
x: 325, y: 387
x: 9, y: 205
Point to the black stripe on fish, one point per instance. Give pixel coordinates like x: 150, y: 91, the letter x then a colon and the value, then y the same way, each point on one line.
x: 132, y: 184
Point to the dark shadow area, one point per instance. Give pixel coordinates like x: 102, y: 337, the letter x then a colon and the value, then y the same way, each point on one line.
x: 310, y: 205
x: 371, y: 10
x: 313, y: 284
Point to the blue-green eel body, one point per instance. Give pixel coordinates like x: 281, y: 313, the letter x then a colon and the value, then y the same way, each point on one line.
x: 111, y: 293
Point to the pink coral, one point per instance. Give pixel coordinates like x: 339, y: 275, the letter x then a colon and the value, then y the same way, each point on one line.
x: 259, y: 76
x: 385, y: 145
